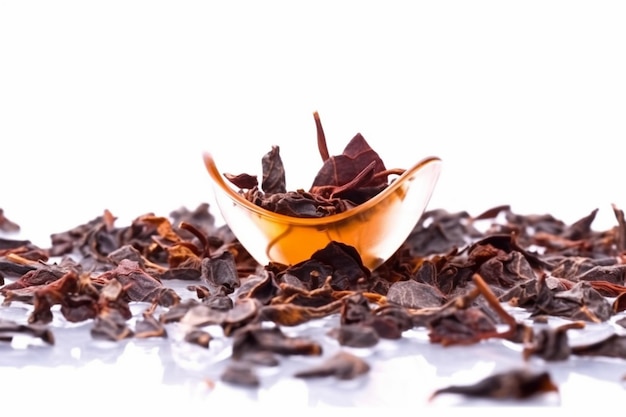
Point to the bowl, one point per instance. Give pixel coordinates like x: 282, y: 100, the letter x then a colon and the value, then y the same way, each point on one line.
x: 376, y: 228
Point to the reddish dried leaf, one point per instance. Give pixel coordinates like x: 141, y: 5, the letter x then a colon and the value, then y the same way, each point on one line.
x: 243, y: 181
x: 514, y: 384
x: 356, y: 158
x: 141, y: 286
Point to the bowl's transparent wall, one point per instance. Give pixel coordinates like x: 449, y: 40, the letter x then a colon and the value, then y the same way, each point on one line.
x: 376, y: 229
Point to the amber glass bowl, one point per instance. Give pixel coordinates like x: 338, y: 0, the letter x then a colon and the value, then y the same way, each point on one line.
x: 376, y: 228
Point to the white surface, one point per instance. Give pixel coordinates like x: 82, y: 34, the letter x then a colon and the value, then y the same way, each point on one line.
x: 108, y: 105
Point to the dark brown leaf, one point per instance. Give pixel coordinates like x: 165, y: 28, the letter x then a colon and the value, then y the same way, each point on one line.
x: 141, y: 286
x: 111, y: 325
x: 551, y: 344
x: 342, y: 365
x: 149, y: 327
x: 514, y: 384
x: 613, y: 346
x: 243, y: 181
x: 273, y: 181
x: 412, y: 294
x: 355, y: 335
x: 461, y: 327
x: 220, y: 273
x: 357, y: 157
x: 255, y: 338
x: 240, y: 374
x: 199, y: 337
x: 582, y: 302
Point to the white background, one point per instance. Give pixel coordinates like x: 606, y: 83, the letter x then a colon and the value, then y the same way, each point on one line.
x: 109, y: 105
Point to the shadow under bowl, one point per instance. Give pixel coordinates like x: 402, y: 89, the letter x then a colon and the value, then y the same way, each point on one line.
x: 376, y: 228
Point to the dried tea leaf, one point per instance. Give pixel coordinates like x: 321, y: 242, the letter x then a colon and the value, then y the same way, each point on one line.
x: 355, y: 309
x: 551, y: 344
x: 357, y: 157
x: 613, y: 346
x: 149, y: 326
x: 571, y: 267
x: 355, y: 335
x: 243, y: 312
x: 342, y: 365
x: 412, y: 294
x: 141, y: 286
x: 255, y: 338
x: 461, y: 327
x: 513, y: 384
x: 111, y: 325
x: 292, y: 315
x: 439, y: 232
x: 199, y: 337
x: 615, y: 274
x: 241, y: 374
x: 220, y: 273
x: 582, y: 302
x: 505, y: 270
x: 346, y: 263
x: 273, y: 181
x: 243, y: 181
x: 177, y: 313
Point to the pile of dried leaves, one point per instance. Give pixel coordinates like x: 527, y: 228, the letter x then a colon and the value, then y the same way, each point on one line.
x: 343, y: 181
x: 450, y: 276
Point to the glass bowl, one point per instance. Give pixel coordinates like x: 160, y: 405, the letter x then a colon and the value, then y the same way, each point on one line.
x: 376, y: 228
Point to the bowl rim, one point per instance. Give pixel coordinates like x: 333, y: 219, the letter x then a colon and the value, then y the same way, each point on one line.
x: 219, y: 180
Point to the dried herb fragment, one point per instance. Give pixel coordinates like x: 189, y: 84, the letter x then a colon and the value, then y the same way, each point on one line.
x: 111, y: 325
x: 342, y: 365
x: 551, y: 344
x: 346, y: 265
x: 149, y: 326
x: 244, y: 311
x: 355, y: 335
x: 241, y: 374
x: 220, y: 273
x: 254, y: 338
x: 141, y: 286
x: 513, y: 384
x: 412, y: 294
x: 292, y: 315
x: 199, y: 337
x: 581, y: 302
x: 439, y: 232
x: 614, y: 346
x: 461, y: 322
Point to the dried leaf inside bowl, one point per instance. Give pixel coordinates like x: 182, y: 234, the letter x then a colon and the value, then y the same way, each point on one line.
x: 343, y: 182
